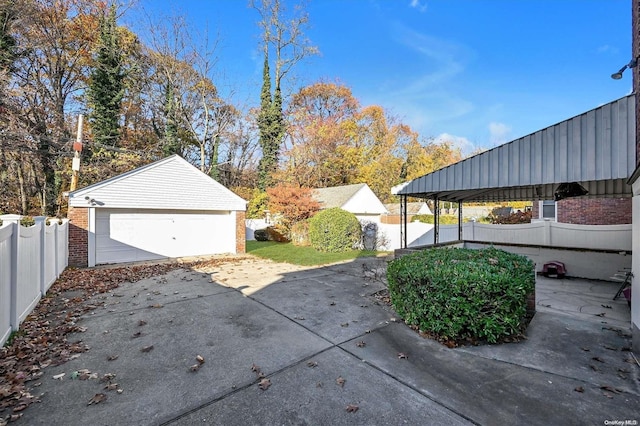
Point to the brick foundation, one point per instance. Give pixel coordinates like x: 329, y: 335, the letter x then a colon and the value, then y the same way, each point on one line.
x: 78, y: 236
x: 591, y: 211
x: 240, y: 232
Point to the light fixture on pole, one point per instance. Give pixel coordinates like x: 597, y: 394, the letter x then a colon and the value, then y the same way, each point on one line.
x: 618, y: 75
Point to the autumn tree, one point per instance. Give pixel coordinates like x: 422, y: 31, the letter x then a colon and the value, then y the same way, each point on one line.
x: 282, y: 34
x: 106, y: 86
x: 55, y: 39
x: 290, y: 204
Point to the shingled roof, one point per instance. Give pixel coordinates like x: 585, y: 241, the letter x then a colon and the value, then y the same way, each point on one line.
x: 336, y: 196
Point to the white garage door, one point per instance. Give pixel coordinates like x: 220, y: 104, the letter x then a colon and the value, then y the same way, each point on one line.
x: 134, y: 235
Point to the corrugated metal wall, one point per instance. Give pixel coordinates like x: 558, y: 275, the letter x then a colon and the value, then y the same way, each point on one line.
x: 596, y: 148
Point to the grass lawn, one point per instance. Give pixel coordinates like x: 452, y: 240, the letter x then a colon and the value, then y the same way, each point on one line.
x: 305, y: 256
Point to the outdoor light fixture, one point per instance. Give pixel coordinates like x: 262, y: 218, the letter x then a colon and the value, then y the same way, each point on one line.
x: 566, y: 190
x: 632, y: 64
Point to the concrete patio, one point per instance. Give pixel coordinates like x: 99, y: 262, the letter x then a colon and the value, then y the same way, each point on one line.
x: 334, y: 353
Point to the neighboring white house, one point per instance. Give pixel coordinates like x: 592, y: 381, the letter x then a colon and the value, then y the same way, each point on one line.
x: 166, y: 209
x: 358, y: 199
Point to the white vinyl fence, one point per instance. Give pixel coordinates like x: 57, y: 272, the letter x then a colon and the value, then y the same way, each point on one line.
x: 31, y: 259
x: 543, y: 233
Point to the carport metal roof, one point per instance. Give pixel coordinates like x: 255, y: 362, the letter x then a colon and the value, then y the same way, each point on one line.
x: 597, y: 149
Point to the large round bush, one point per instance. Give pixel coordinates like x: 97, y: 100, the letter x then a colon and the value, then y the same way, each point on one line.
x: 334, y: 230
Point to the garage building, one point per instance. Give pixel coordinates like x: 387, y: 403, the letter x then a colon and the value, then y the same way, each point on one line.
x: 166, y: 209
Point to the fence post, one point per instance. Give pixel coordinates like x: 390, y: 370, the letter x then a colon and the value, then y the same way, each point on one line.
x: 14, y: 220
x: 41, y: 221
x: 56, y: 255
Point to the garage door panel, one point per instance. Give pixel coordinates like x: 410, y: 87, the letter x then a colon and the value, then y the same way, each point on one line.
x: 130, y: 235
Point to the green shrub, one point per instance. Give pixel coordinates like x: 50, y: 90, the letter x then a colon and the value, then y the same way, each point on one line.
x: 462, y: 294
x: 429, y: 218
x: 334, y: 230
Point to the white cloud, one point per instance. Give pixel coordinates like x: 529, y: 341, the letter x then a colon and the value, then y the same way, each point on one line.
x: 465, y: 145
x: 416, y: 4
x: 607, y: 49
x: 499, y: 133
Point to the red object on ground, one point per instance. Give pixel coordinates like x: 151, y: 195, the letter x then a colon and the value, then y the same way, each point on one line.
x: 554, y: 268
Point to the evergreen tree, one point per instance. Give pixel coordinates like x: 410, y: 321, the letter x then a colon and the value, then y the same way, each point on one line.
x: 106, y: 85
x: 266, y: 127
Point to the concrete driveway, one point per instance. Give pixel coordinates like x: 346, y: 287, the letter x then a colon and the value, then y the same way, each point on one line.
x: 286, y: 345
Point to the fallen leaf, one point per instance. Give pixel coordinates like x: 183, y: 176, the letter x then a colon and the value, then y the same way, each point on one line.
x: 97, y: 398
x: 108, y: 377
x: 59, y: 376
x: 340, y: 381
x: 111, y: 386
x: 200, y: 359
x: 601, y: 314
x: 594, y: 368
x: 606, y: 306
x: 596, y: 358
x: 157, y: 305
x: 312, y: 364
x: 361, y: 344
x: 255, y: 368
x: 611, y: 348
x: 194, y: 367
x: 346, y: 324
x: 112, y: 357
x: 585, y: 349
x: 15, y: 417
x: 352, y: 408
x: 610, y: 389
x: 146, y: 348
x: 136, y: 334
x: 264, y: 384
x: 402, y: 355
x: 120, y: 390
x: 579, y: 389
x: 332, y: 304
x: 141, y: 323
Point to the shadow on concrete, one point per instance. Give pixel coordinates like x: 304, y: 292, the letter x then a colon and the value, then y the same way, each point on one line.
x: 326, y: 343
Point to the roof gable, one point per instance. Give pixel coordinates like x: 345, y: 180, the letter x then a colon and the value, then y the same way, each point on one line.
x: 171, y: 183
x: 357, y: 198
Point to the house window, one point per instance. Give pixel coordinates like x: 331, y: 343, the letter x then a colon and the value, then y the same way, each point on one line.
x: 548, y: 209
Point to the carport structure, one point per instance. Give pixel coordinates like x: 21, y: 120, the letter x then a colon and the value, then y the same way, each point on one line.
x: 594, y: 151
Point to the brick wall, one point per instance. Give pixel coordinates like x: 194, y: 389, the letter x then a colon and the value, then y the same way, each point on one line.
x: 240, y: 232
x: 591, y: 211
x: 78, y: 236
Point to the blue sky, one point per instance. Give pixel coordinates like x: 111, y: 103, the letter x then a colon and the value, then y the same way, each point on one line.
x: 477, y: 72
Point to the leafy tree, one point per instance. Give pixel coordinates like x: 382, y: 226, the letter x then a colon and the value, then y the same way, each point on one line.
x: 106, y: 88
x: 284, y: 35
x: 291, y: 204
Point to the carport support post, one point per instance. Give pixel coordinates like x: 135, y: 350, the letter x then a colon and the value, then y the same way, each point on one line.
x: 436, y: 220
x: 459, y: 220
x: 403, y: 221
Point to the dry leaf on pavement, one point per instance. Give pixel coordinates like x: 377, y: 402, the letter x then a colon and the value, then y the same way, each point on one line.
x: 352, y: 408
x: 97, y: 398
x: 146, y: 348
x: 264, y: 384
x: 340, y: 381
